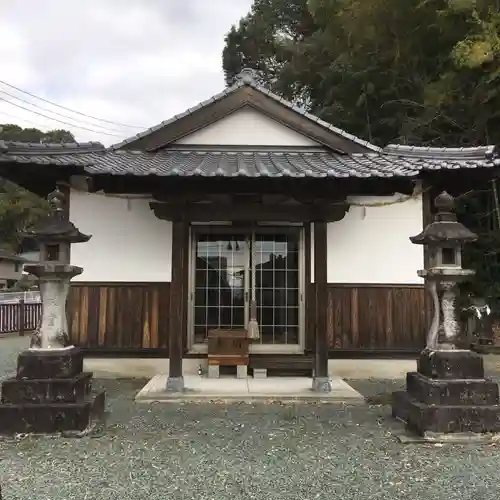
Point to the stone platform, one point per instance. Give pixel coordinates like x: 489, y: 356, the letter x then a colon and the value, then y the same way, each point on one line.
x: 229, y: 389
x: 448, y: 395
x: 50, y: 393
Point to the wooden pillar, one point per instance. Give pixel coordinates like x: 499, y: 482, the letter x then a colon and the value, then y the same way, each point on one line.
x: 321, y: 382
x: 178, y: 304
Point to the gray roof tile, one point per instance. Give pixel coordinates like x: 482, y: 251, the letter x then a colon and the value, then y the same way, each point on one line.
x: 394, y: 161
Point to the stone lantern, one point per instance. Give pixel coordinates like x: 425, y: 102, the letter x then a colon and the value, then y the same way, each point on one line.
x: 448, y: 396
x: 50, y: 392
x: 55, y: 234
x: 444, y: 239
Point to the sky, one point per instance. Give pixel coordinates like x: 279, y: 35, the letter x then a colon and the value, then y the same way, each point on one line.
x: 131, y: 62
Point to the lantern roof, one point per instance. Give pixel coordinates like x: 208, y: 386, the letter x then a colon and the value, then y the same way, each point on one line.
x: 55, y: 227
x: 445, y: 228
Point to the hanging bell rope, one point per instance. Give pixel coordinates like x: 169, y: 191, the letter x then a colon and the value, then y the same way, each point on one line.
x: 253, y: 324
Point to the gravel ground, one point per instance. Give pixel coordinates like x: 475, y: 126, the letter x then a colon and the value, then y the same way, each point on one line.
x: 273, y: 451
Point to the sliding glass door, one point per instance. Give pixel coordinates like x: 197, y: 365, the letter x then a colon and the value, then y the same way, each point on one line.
x: 222, y: 288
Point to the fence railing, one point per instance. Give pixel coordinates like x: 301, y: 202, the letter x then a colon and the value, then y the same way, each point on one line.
x: 15, y: 297
x: 19, y: 317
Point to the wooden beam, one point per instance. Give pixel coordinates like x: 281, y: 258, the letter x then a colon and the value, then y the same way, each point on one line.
x: 251, y: 212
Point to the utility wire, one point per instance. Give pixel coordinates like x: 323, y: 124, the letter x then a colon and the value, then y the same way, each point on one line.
x: 56, y: 113
x: 59, y: 121
x: 69, y: 109
x: 19, y: 121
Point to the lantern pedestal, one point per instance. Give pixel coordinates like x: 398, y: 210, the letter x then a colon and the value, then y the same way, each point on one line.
x: 448, y: 394
x: 50, y: 393
x: 448, y: 398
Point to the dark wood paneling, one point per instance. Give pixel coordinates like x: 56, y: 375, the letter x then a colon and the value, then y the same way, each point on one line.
x: 136, y: 316
x: 119, y: 315
x: 377, y: 317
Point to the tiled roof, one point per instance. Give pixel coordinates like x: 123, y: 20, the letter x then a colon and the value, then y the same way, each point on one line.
x: 6, y: 255
x: 67, y: 154
x: 246, y: 78
x: 393, y: 161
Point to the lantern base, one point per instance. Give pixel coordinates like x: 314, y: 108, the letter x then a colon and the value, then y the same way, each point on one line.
x: 448, y: 394
x: 50, y: 363
x: 50, y: 394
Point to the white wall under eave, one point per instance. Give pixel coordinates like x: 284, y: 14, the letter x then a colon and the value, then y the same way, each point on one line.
x: 247, y: 127
x: 371, y: 244
x: 128, y: 243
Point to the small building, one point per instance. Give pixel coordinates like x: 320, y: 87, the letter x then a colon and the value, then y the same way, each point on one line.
x: 180, y: 213
x: 11, y: 268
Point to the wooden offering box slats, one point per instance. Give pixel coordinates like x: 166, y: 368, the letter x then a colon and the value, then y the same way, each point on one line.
x: 228, y: 347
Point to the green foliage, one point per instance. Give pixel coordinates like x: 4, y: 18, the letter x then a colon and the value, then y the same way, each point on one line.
x: 414, y: 71
x: 422, y: 72
x: 20, y: 208
x: 11, y: 132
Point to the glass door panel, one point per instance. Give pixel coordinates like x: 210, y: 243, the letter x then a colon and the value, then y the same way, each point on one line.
x: 222, y: 287
x: 220, y: 267
x: 277, y: 286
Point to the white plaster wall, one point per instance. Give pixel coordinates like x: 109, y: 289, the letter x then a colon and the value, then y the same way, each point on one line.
x: 247, y: 126
x: 128, y: 242
x: 371, y: 245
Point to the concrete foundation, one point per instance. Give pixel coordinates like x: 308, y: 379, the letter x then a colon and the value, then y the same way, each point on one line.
x: 241, y: 371
x: 259, y: 373
x: 343, y: 368
x: 213, y: 371
x: 283, y: 389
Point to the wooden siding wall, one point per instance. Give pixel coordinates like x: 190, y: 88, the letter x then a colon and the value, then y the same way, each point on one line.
x: 137, y: 315
x: 119, y: 315
x: 377, y: 317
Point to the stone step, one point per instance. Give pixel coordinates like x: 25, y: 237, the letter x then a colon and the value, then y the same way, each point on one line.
x: 282, y: 363
x: 51, y: 417
x: 40, y: 391
x: 453, y: 391
x: 39, y: 364
x: 421, y: 418
x: 450, y: 364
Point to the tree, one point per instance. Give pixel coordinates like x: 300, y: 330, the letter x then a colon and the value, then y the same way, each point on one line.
x: 20, y: 208
x: 264, y: 41
x: 423, y: 72
x: 11, y: 132
x: 387, y: 70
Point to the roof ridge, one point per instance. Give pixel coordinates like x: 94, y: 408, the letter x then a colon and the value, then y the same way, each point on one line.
x: 187, y: 112
x: 463, y: 153
x: 314, y: 118
x: 50, y: 148
x: 247, y: 78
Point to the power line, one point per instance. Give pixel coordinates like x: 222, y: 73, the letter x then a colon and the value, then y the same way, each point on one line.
x: 55, y: 112
x: 17, y: 120
x: 69, y: 109
x: 57, y: 120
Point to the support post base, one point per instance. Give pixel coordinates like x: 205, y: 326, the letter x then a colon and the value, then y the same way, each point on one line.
x: 175, y: 384
x: 321, y: 384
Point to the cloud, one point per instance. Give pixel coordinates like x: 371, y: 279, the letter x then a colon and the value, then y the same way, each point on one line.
x: 134, y: 62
